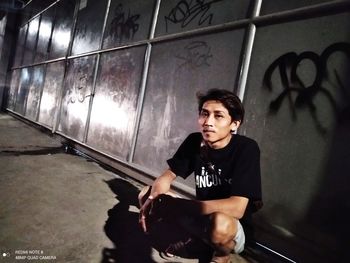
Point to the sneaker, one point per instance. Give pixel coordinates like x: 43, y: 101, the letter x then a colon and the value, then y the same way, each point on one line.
x: 220, y: 259
x: 175, y: 248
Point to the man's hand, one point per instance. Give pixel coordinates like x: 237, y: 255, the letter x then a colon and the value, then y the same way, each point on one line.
x: 145, y: 212
x: 163, y: 206
x: 168, y: 207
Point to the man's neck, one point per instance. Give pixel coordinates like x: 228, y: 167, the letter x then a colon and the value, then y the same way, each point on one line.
x: 221, y: 143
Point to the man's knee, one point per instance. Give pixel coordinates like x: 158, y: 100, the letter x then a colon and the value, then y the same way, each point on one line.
x: 222, y: 228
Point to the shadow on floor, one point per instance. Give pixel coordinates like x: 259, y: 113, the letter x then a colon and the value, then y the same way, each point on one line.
x: 122, y: 228
x: 131, y: 244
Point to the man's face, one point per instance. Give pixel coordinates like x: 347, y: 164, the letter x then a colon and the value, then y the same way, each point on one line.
x: 215, y: 124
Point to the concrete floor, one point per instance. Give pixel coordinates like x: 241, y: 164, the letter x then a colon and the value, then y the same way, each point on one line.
x: 59, y: 207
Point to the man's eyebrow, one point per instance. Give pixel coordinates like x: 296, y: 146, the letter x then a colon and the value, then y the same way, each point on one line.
x: 215, y: 111
x: 219, y: 111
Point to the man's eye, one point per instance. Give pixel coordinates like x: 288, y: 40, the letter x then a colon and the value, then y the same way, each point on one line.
x: 219, y: 116
x: 204, y: 114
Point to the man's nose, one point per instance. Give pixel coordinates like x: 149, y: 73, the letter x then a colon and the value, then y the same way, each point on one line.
x: 209, y: 121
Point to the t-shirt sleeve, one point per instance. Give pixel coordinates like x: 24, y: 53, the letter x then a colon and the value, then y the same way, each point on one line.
x: 247, y: 181
x: 182, y: 163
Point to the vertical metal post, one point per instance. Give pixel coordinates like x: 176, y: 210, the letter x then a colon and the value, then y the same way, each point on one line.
x: 87, y: 123
x: 155, y: 19
x: 248, y: 52
x: 92, y: 94
x: 60, y: 98
x: 140, y: 102
x: 143, y: 84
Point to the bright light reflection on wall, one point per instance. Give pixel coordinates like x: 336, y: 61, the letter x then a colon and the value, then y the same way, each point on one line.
x: 47, y: 102
x: 77, y: 111
x: 61, y: 37
x: 45, y: 29
x: 33, y: 27
x: 109, y: 114
x: 25, y: 75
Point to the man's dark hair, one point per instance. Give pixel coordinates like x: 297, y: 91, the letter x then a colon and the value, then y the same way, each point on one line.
x: 230, y: 101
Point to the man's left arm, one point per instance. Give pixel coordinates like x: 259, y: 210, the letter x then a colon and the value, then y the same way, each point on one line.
x: 234, y: 206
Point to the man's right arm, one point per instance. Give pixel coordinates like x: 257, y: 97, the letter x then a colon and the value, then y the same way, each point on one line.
x: 162, y: 184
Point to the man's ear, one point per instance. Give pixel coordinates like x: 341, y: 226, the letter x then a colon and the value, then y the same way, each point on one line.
x: 235, y: 125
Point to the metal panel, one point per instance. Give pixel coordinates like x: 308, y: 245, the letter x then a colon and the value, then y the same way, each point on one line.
x: 20, y: 45
x: 52, y: 86
x: 298, y: 104
x: 22, y: 93
x: 30, y: 46
x: 15, y: 77
x: 183, y: 15
x: 177, y: 71
x: 3, y: 22
x: 88, y: 31
x: 34, y: 93
x: 62, y: 29
x: 44, y: 35
x: 272, y: 6
x: 128, y: 21
x: 76, y: 93
x: 35, y: 6
x: 114, y: 105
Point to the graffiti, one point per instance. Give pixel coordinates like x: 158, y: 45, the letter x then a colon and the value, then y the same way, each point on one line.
x: 122, y: 26
x: 292, y: 83
x: 187, y: 11
x: 197, y: 54
x: 78, y: 93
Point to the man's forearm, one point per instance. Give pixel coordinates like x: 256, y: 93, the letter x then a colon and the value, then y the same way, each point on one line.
x: 234, y: 206
x: 162, y: 184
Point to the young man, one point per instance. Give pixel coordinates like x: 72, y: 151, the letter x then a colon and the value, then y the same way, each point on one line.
x: 226, y: 167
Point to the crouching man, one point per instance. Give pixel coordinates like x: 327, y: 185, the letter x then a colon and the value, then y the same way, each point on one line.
x: 226, y: 167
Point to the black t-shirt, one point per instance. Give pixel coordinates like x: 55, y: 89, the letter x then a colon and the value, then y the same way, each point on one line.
x: 220, y: 173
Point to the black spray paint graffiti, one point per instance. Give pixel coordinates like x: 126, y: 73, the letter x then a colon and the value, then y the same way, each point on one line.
x: 123, y: 26
x: 197, y: 54
x: 292, y: 83
x: 187, y: 11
